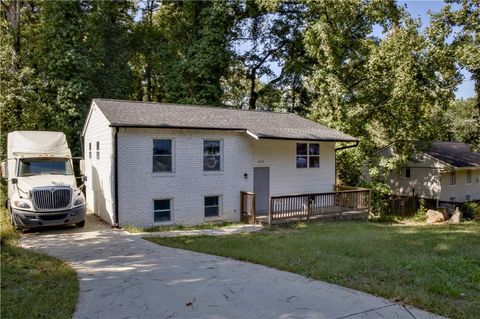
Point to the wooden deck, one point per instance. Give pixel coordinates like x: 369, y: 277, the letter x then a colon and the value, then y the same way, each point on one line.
x: 343, y: 203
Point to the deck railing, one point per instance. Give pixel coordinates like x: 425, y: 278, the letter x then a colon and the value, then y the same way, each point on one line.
x: 247, y: 207
x: 343, y: 200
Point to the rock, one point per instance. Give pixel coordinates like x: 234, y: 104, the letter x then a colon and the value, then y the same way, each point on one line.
x: 456, y: 217
x: 434, y: 216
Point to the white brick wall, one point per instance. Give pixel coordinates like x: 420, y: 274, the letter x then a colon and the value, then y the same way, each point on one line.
x: 188, y: 184
x: 100, y: 179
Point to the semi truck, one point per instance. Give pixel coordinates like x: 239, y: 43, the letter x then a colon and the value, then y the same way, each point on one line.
x: 42, y: 187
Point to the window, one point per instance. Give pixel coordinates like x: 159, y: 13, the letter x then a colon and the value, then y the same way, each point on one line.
x: 469, y: 177
x: 453, y: 178
x: 90, y: 150
x: 212, y: 155
x: 308, y: 155
x: 98, y: 150
x: 453, y: 199
x: 407, y: 172
x: 162, y: 156
x: 212, y: 207
x: 162, y: 210
x: 468, y: 197
x: 44, y: 166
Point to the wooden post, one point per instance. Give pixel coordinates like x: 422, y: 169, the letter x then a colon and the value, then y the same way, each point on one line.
x: 254, y: 210
x: 270, y: 212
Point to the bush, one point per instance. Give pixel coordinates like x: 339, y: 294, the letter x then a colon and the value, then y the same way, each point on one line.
x: 470, y: 210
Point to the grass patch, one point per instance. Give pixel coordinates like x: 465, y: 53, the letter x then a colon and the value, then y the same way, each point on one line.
x: 33, y: 285
x: 212, y: 225
x: 436, y: 268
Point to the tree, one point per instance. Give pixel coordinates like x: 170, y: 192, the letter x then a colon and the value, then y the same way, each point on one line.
x: 197, y: 53
x: 461, y: 124
x: 381, y: 90
x: 461, y: 27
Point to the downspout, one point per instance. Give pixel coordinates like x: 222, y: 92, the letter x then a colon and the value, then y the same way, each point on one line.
x: 115, y: 174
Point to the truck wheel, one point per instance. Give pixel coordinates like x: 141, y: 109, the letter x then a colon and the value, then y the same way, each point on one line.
x: 80, y: 224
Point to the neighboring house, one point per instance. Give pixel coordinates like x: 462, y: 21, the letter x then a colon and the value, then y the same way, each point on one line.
x: 158, y: 164
x: 446, y: 171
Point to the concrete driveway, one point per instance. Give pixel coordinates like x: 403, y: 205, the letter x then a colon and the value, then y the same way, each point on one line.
x: 124, y: 276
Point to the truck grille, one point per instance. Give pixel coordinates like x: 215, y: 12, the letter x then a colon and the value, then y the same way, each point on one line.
x: 51, y: 198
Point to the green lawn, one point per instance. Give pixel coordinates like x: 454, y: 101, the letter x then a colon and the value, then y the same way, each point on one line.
x: 212, y: 225
x: 33, y: 285
x: 436, y: 268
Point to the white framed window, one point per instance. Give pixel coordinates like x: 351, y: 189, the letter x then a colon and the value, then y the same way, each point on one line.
x: 162, y: 210
x: 212, y: 206
x: 468, y: 197
x: 407, y: 172
x: 98, y: 150
x: 453, y: 178
x: 212, y: 156
x: 308, y: 155
x: 469, y: 176
x: 162, y: 157
x: 90, y: 150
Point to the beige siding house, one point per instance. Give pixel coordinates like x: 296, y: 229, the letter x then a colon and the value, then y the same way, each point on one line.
x: 446, y: 171
x: 152, y: 164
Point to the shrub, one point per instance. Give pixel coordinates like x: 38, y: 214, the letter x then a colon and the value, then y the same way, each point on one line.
x: 470, y: 210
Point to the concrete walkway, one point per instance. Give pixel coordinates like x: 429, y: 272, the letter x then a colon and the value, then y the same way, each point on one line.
x: 124, y: 276
x: 227, y: 230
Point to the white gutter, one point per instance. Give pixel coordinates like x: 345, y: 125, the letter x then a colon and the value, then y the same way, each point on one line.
x: 252, y: 134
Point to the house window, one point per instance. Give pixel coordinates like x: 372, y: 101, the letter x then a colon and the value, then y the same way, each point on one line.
x: 453, y: 178
x: 308, y: 155
x: 453, y: 199
x: 98, y: 150
x: 90, y: 150
x: 469, y: 177
x: 407, y: 172
x: 212, y: 206
x: 162, y: 210
x: 468, y: 197
x: 162, y: 156
x: 212, y: 155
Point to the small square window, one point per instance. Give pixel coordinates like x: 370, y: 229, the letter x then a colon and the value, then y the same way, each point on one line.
x: 307, y: 155
x: 90, y: 150
x: 407, y: 172
x: 98, y: 150
x: 212, y: 206
x: 161, y: 210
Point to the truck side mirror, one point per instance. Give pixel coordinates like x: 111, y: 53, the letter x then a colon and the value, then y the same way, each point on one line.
x: 14, y: 180
x: 4, y: 169
x: 82, y: 167
x: 84, y: 178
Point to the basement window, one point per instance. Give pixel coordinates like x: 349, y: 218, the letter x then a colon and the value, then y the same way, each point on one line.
x: 212, y: 206
x: 308, y: 155
x: 162, y: 210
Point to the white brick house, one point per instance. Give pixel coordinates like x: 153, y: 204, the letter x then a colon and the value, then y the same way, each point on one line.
x: 157, y: 164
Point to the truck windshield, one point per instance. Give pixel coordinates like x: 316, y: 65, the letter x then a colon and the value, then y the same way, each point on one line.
x: 43, y: 166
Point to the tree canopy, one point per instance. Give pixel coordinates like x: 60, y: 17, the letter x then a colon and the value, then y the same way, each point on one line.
x: 318, y: 58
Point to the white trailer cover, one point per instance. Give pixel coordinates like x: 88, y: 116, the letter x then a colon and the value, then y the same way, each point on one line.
x: 37, y: 143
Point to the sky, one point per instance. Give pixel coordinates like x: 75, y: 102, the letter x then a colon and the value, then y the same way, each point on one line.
x: 419, y: 9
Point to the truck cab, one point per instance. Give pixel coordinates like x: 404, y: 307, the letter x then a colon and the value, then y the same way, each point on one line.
x: 42, y: 187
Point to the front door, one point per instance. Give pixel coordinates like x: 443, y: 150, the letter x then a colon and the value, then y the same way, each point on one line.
x: 261, y: 188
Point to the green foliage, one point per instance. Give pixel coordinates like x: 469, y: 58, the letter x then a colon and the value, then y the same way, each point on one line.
x: 421, y: 213
x: 470, y: 210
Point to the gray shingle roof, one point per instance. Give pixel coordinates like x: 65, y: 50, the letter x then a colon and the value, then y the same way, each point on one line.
x: 454, y: 153
x: 262, y: 124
